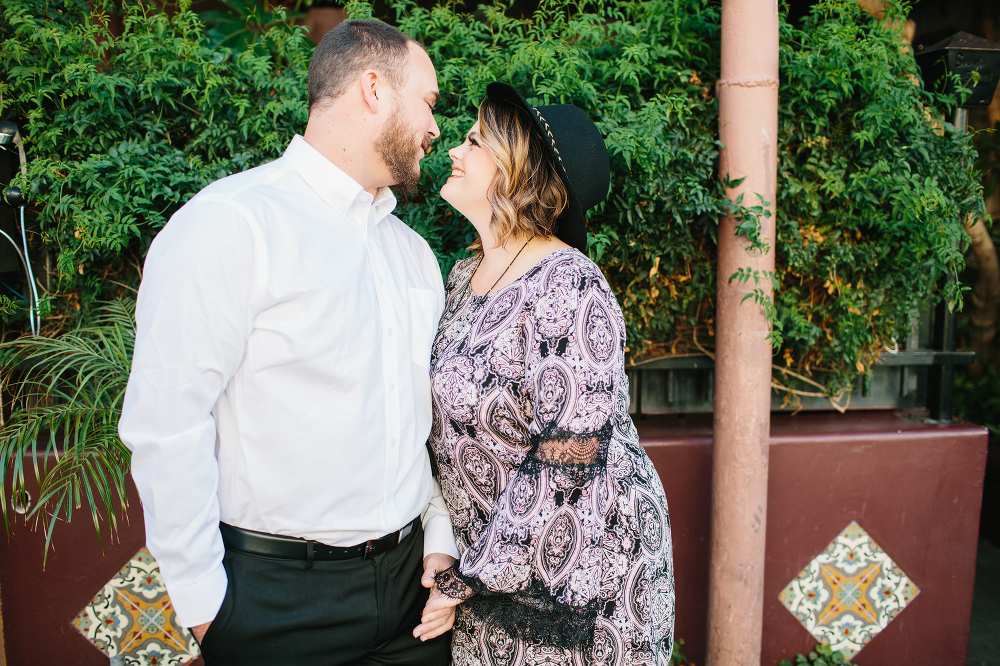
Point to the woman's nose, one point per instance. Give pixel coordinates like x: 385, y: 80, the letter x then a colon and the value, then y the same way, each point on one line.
x: 453, y: 153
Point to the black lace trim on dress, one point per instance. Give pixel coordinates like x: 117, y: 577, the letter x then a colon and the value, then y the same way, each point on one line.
x: 532, y: 615
x: 452, y: 583
x: 535, y: 616
x: 579, y: 456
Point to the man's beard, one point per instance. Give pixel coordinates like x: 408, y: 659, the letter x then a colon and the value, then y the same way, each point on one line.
x: 395, y: 147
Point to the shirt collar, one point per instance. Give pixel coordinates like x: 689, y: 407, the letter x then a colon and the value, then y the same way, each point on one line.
x: 341, y: 192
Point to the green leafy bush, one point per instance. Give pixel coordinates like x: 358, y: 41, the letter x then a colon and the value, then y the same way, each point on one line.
x: 243, y: 23
x: 643, y: 72
x: 677, y: 658
x: 121, y: 131
x: 75, y: 383
x: 872, y: 186
x: 823, y: 655
x: 873, y: 189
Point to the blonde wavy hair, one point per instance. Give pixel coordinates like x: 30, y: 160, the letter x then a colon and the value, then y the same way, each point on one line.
x: 527, y: 195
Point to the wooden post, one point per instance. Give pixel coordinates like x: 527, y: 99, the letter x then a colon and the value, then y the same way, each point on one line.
x: 748, y: 129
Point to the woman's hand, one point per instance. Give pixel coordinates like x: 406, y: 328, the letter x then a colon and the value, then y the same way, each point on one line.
x: 435, y: 563
x: 437, y: 617
x: 438, y: 620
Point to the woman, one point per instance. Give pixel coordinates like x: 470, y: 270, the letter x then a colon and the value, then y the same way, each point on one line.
x: 560, y: 518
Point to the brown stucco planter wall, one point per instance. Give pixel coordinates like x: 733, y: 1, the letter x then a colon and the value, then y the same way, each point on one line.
x: 39, y: 604
x: 915, y: 487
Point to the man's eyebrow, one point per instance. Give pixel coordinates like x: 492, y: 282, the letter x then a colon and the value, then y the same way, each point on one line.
x: 435, y: 96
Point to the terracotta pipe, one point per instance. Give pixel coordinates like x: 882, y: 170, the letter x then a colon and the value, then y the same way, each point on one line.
x: 748, y: 128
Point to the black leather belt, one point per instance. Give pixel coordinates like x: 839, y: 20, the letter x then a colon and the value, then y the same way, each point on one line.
x: 293, y: 548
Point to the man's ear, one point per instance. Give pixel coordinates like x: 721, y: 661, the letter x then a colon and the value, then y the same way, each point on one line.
x: 371, y: 85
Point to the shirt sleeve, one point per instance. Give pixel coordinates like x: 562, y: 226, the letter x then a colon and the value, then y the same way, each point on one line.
x: 193, y: 316
x: 439, y: 536
x: 537, y: 567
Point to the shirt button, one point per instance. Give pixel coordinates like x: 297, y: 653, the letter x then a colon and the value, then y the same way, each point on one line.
x: 392, y: 442
x: 392, y: 387
x: 381, y: 281
x: 390, y: 331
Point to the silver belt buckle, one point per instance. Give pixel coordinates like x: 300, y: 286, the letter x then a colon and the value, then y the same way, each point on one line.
x: 403, y: 533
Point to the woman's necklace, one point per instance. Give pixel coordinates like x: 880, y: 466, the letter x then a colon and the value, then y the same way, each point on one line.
x: 508, y: 265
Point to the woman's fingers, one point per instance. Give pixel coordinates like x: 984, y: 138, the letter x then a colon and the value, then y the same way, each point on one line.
x: 437, y: 617
x: 429, y: 623
x: 438, y: 602
x: 429, y: 627
x: 432, y: 616
x: 433, y: 628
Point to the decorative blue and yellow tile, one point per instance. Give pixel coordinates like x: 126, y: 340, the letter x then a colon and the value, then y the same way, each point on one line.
x: 849, y: 593
x: 131, y: 619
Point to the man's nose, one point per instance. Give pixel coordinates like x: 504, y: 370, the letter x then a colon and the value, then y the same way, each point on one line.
x: 434, y: 131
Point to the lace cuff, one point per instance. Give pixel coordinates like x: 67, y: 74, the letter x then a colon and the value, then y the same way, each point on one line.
x: 538, y: 618
x: 451, y: 583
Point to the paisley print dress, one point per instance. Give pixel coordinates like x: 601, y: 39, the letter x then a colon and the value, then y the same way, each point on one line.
x: 560, y: 517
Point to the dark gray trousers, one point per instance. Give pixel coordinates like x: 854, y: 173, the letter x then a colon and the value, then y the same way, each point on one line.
x: 338, y: 612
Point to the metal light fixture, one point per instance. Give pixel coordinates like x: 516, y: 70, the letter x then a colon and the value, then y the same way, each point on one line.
x: 13, y: 196
x: 8, y: 132
x: 964, y: 55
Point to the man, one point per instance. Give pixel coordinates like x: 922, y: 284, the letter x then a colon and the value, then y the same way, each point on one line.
x: 280, y: 383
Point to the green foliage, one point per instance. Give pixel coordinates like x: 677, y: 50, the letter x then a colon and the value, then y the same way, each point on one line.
x: 67, y: 403
x: 873, y: 188
x: 245, y: 23
x: 872, y: 184
x: 677, y: 657
x: 823, y: 655
x: 977, y: 389
x: 643, y: 72
x: 988, y: 158
x: 120, y: 131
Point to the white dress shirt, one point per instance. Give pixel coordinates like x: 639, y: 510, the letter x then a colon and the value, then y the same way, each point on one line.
x: 280, y: 375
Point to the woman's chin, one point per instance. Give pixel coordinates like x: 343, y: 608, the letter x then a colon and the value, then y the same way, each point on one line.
x: 446, y: 193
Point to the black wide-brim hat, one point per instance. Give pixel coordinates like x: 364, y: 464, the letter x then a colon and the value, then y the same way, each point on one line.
x: 579, y: 153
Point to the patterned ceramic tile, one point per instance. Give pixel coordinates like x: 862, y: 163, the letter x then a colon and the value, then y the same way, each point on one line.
x: 849, y: 592
x: 131, y: 619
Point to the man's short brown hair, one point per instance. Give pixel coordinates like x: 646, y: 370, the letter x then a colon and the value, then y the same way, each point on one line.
x: 351, y: 48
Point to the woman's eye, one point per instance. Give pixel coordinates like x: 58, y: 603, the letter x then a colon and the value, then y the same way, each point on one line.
x: 473, y: 142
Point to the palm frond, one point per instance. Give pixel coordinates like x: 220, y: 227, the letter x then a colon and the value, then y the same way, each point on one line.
x: 67, y: 394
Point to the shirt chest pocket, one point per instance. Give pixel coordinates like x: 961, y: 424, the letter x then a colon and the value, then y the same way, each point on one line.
x: 424, y: 314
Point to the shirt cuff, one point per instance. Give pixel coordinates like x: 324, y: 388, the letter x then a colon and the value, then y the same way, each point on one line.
x: 438, y: 536
x: 199, y: 602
